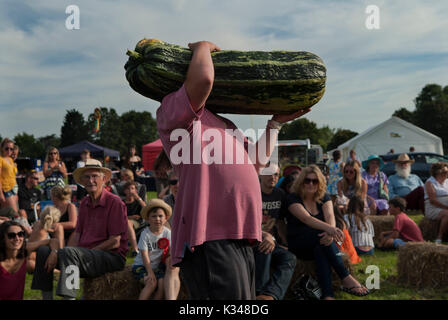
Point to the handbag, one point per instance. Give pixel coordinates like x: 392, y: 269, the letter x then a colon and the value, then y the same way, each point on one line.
x: 381, y: 193
x: 306, y: 288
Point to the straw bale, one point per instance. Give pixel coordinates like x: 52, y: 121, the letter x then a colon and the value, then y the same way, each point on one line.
x: 309, y: 267
x: 381, y: 224
x: 423, y: 265
x: 120, y: 285
x: 430, y: 229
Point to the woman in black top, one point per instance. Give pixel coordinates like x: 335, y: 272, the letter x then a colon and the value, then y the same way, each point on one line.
x: 312, y: 231
x: 134, y: 205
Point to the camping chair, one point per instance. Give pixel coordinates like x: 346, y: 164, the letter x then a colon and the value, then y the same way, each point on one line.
x: 43, y: 204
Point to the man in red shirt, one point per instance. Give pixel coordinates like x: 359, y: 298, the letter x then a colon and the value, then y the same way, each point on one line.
x: 405, y: 229
x: 99, y: 244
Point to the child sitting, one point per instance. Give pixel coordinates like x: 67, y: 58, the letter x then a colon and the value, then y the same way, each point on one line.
x: 347, y: 245
x: 361, y: 228
x: 150, y: 262
x: 405, y: 229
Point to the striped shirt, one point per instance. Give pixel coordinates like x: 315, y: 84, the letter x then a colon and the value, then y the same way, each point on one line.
x: 361, y: 238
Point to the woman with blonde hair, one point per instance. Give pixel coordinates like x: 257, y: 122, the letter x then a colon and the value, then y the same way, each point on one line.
x: 46, y: 227
x: 61, y: 197
x: 352, y: 184
x: 312, y: 232
x: 54, y: 170
x: 8, y: 171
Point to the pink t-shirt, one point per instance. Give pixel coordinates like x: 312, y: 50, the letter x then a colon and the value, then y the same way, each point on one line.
x: 107, y: 218
x: 408, y: 229
x: 12, y: 286
x: 214, y: 201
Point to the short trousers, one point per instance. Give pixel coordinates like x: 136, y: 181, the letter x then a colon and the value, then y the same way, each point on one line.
x: 9, y: 193
x: 139, y: 271
x: 398, y: 243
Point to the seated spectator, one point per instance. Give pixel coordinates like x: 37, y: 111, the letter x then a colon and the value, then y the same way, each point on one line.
x: 69, y: 213
x: 347, y: 245
x: 377, y: 182
x: 162, y: 166
x: 269, y: 254
x: 405, y: 229
x: 154, y: 248
x: 350, y: 185
x: 287, y: 183
x: 312, y: 232
x: 85, y: 159
x: 13, y: 259
x: 100, y: 235
x: 126, y: 175
x: 29, y: 195
x: 436, y: 197
x: 360, y: 227
x: 173, y: 182
x: 134, y: 205
x: 406, y: 185
x: 54, y: 170
x: 46, y: 227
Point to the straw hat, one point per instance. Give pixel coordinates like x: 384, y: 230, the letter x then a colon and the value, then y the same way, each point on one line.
x: 403, y: 158
x: 156, y: 203
x: 79, y: 172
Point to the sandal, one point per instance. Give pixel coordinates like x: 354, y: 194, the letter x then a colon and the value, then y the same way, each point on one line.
x: 356, y: 293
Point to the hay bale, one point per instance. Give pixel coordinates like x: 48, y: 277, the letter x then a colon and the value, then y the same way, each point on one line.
x: 120, y: 285
x: 309, y: 267
x: 381, y: 224
x: 429, y: 228
x: 423, y: 265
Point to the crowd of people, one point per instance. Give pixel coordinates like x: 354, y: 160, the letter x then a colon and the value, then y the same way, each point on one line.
x: 232, y: 231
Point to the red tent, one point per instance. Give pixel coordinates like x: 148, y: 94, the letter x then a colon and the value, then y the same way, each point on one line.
x: 150, y: 152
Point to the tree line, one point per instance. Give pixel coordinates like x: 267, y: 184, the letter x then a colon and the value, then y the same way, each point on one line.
x: 118, y: 132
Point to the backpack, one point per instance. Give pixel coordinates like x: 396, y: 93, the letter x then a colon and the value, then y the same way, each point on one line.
x: 307, y: 288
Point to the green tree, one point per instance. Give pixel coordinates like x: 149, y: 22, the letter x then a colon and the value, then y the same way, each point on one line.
x: 49, y: 141
x: 303, y: 128
x: 341, y: 136
x: 405, y: 114
x: 29, y: 146
x: 74, y: 128
x: 138, y: 128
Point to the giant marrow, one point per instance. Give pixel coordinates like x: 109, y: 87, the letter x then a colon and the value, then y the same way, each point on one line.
x: 246, y: 82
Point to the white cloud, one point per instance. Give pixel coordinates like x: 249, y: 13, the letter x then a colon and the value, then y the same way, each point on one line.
x: 46, y: 69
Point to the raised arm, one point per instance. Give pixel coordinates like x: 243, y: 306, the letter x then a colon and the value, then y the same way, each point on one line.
x: 201, y: 73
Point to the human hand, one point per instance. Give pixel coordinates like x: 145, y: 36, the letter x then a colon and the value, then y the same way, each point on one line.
x: 282, y: 118
x: 212, y: 47
x: 326, y: 239
x: 151, y: 277
x: 51, y: 262
x: 267, y: 245
x: 336, y: 233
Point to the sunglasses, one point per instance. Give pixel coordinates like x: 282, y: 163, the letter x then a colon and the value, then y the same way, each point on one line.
x: 349, y: 171
x: 173, y: 182
x: 53, y: 152
x: 35, y: 178
x: 308, y: 181
x: 12, y: 235
x: 8, y: 149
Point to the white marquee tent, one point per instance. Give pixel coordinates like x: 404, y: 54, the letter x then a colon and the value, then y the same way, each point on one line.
x: 393, y: 133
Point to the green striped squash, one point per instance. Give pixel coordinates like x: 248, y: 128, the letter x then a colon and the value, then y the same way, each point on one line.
x: 246, y: 82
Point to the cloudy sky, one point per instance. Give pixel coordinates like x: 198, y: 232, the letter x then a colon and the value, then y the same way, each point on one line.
x: 46, y: 69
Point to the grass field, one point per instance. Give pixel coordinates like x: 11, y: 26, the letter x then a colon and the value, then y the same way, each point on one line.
x: 389, y: 289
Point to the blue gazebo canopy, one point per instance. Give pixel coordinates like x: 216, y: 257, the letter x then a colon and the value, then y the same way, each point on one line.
x: 96, y: 151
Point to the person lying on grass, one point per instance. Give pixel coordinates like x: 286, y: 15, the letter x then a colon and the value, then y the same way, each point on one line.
x: 405, y: 229
x: 152, y: 263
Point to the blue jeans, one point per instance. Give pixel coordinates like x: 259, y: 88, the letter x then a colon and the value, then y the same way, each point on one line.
x: 283, y: 264
x: 306, y: 245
